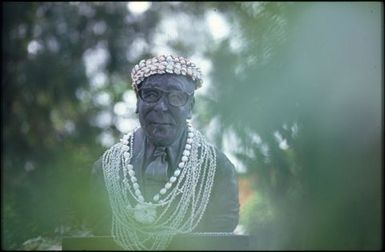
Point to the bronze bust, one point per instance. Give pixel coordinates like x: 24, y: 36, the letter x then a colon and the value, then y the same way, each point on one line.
x: 163, y: 178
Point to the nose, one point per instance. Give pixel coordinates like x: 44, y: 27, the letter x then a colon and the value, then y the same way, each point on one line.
x: 161, y: 104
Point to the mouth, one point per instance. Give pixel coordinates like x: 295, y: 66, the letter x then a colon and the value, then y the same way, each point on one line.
x: 161, y: 123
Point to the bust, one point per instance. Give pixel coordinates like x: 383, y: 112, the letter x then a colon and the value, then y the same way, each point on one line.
x: 164, y: 178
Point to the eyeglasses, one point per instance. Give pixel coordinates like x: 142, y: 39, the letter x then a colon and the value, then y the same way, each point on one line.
x: 174, y: 97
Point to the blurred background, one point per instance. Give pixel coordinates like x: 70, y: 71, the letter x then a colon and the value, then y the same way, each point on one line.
x: 292, y: 93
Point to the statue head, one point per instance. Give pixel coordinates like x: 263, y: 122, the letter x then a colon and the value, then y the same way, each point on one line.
x: 165, y: 92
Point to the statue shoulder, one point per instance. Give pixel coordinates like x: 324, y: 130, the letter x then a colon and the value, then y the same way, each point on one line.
x: 97, y: 164
x: 224, y: 165
x: 113, y: 150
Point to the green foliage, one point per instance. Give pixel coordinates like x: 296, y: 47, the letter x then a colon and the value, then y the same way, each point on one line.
x: 299, y: 85
x: 258, y: 213
x: 296, y: 78
x: 49, y: 142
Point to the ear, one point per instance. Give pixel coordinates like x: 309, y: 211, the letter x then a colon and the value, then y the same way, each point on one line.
x: 191, y: 108
x: 137, y: 105
x: 137, y: 97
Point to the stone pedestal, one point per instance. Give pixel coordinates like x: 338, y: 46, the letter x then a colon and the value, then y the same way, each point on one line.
x: 193, y: 241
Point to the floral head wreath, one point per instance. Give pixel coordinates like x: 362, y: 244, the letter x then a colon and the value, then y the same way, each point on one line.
x: 165, y: 64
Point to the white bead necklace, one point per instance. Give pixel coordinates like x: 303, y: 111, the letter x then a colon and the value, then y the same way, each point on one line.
x: 179, y: 208
x: 127, y: 141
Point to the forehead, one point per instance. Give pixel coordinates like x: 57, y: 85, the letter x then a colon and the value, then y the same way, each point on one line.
x: 169, y: 82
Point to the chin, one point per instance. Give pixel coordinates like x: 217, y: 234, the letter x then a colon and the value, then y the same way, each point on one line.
x: 161, y: 134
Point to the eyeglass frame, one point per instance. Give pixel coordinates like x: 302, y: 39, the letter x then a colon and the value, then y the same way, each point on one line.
x: 163, y: 92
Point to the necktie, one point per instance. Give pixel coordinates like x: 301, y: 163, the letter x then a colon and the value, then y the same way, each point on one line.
x: 156, y: 172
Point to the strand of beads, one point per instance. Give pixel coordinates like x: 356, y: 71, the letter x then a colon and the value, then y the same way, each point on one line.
x: 136, y: 237
x: 128, y: 145
x: 182, y: 163
x: 128, y: 168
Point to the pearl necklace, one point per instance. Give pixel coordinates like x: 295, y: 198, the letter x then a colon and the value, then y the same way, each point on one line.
x: 182, y: 202
x: 145, y: 211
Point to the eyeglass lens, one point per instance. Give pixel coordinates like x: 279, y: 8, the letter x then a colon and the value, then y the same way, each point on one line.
x: 152, y: 95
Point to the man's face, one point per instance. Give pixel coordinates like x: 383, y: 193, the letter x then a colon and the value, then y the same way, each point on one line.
x: 161, y: 121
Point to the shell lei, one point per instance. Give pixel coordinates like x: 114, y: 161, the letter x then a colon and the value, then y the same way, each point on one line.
x: 137, y: 224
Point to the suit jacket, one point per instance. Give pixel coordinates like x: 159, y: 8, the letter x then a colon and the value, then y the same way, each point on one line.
x: 222, y: 212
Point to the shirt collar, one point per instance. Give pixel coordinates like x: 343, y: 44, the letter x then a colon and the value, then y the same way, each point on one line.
x: 174, y: 151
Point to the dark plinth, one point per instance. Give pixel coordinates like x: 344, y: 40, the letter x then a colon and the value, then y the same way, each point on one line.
x: 201, y: 241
